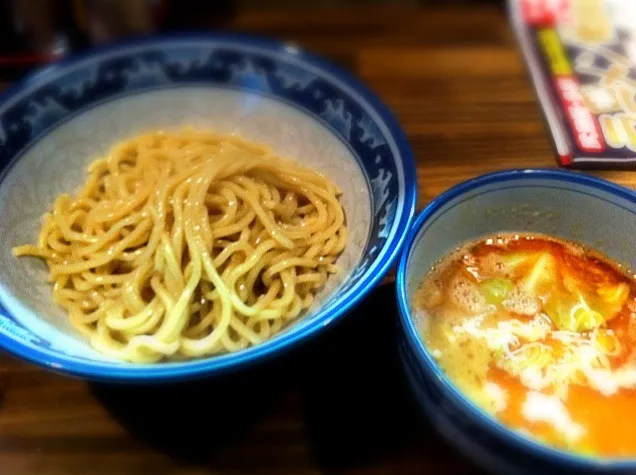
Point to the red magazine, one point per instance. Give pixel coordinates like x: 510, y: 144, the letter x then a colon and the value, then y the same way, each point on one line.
x: 581, y: 55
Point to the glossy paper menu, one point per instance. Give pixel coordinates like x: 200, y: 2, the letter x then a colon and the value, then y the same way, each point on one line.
x: 581, y: 55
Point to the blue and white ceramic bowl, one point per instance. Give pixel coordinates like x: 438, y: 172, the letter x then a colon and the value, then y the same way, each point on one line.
x: 58, y: 120
x: 564, y: 204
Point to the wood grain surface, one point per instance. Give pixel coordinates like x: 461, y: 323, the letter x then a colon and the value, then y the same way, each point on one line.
x: 455, y: 80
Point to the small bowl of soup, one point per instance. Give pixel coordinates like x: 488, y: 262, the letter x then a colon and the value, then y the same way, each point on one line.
x: 517, y: 297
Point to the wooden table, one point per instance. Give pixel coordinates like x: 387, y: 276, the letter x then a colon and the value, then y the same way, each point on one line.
x: 454, y: 78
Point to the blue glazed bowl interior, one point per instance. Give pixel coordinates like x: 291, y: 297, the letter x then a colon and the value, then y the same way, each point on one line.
x: 567, y: 205
x: 64, y: 117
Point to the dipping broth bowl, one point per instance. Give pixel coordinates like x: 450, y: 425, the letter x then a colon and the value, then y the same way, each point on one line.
x: 563, y: 204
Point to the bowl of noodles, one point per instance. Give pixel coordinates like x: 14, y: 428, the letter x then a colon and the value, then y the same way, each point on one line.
x: 517, y: 297
x: 176, y: 207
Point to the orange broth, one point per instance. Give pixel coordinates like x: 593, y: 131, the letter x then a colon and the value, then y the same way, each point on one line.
x: 541, y: 333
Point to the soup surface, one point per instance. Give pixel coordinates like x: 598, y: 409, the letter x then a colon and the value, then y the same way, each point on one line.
x: 541, y: 333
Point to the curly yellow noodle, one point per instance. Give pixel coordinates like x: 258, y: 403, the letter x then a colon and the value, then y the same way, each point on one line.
x: 186, y: 244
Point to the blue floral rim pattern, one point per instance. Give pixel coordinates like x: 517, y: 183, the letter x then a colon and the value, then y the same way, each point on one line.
x: 429, y: 372
x: 52, y: 95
